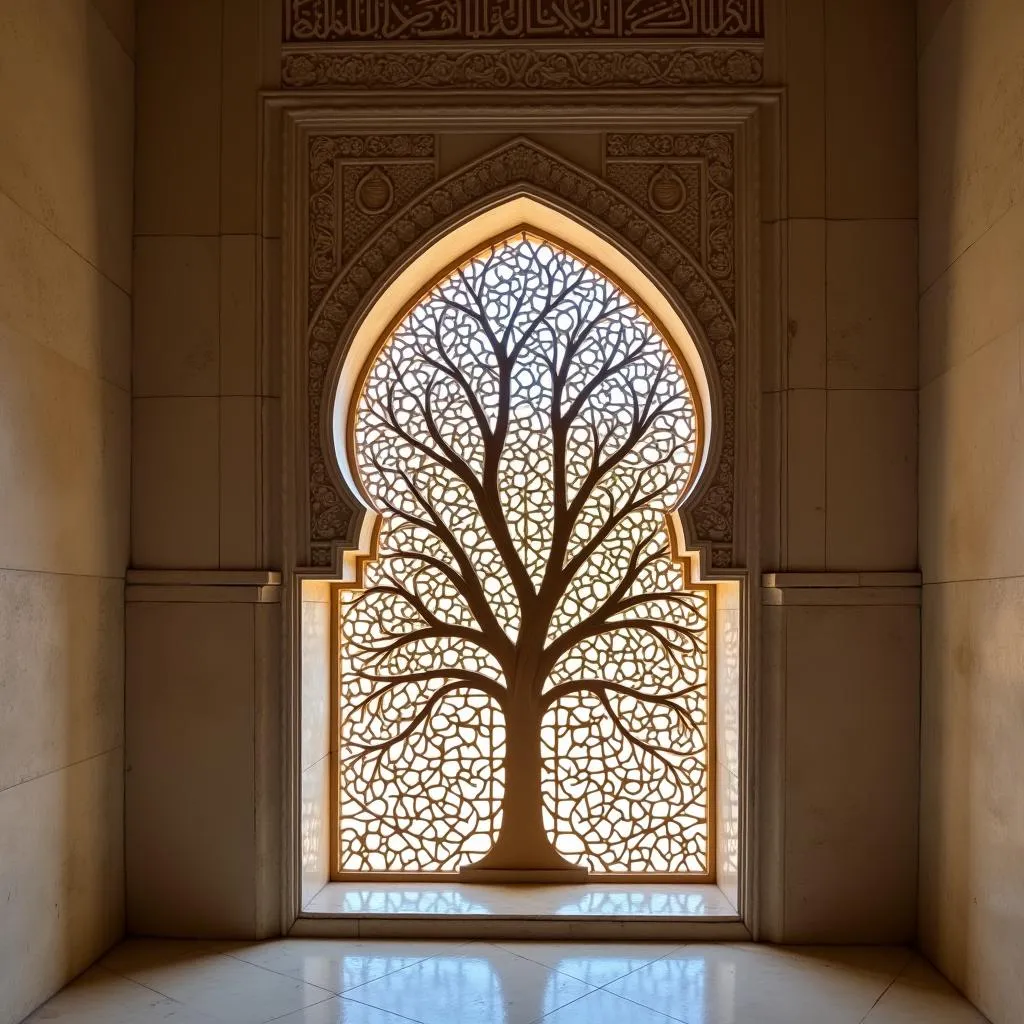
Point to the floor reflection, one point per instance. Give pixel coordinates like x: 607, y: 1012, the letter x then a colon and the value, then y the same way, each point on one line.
x: 413, y: 900
x: 494, y: 986
x: 591, y: 900
x: 366, y: 981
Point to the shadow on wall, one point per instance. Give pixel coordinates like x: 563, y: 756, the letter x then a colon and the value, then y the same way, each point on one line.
x: 951, y: 524
x: 65, y: 175
x: 90, y: 919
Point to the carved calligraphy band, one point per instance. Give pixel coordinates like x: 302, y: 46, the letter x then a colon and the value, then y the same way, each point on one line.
x: 326, y: 21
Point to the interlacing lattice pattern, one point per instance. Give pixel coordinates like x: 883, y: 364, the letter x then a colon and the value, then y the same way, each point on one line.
x: 524, y: 674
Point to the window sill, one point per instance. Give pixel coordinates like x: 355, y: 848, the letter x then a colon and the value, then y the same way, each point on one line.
x: 453, y: 910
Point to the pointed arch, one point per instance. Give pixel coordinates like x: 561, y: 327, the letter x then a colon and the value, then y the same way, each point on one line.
x: 609, y: 224
x: 518, y: 215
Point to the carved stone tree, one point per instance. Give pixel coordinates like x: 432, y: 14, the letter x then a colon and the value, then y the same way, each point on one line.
x: 524, y: 669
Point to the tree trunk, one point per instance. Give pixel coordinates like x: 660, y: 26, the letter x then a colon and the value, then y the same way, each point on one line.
x: 523, y: 844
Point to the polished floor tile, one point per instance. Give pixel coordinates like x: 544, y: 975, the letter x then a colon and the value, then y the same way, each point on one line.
x: 602, y: 1007
x: 736, y: 984
x: 920, y: 993
x: 342, y: 1011
x: 311, y: 981
x: 99, y: 997
x: 594, y: 963
x: 340, y: 966
x: 221, y: 986
x: 482, y: 984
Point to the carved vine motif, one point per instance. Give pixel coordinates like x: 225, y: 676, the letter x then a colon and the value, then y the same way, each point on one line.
x: 521, y: 166
x: 358, y: 20
x: 354, y: 182
x: 652, y: 168
x: 520, y: 68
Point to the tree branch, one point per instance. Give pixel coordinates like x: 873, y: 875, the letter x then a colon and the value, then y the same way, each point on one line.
x: 393, y: 682
x: 492, y: 690
x: 556, y: 693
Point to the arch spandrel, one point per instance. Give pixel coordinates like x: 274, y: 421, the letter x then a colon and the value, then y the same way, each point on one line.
x: 476, y: 197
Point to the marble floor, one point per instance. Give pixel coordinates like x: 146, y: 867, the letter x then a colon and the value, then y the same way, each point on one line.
x: 311, y: 981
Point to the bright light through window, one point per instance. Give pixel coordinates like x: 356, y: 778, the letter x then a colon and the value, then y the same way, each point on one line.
x: 524, y: 670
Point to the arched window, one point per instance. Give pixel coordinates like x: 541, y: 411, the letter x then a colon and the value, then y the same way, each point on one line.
x: 524, y: 666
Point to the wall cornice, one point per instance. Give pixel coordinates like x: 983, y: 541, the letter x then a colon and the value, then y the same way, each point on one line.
x: 515, y: 45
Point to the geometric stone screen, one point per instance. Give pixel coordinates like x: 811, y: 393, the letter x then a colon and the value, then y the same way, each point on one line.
x: 524, y: 676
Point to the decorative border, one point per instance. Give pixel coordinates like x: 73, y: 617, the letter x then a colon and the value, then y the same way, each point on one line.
x: 718, y: 205
x: 517, y: 167
x: 718, y: 210
x: 325, y: 152
x: 519, y: 68
x: 364, y: 20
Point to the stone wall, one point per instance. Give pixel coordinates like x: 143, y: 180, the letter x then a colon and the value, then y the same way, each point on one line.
x: 837, y: 692
x: 971, y: 76
x: 66, y: 77
x: 839, y: 683
x: 202, y: 817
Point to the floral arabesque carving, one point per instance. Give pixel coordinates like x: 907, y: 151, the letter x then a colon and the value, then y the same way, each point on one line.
x: 518, y: 68
x: 627, y: 152
x: 406, y: 163
x: 520, y: 167
x: 715, y: 207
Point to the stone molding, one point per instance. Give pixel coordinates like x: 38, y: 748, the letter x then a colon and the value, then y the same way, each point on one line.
x: 840, y: 588
x: 520, y: 68
x: 700, y: 277
x: 202, y: 586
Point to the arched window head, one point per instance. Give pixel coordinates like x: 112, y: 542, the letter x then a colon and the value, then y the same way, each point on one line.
x: 524, y: 666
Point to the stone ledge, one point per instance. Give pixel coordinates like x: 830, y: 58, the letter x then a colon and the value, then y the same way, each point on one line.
x: 203, y: 586
x: 831, y: 580
x: 853, y: 596
x: 840, y: 588
x: 203, y: 577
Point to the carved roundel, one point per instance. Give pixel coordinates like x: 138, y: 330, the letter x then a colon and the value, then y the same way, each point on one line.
x: 375, y: 193
x: 667, y: 191
x: 701, y: 281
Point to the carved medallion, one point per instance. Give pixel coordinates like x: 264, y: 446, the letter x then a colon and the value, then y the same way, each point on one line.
x: 667, y: 191
x: 375, y: 192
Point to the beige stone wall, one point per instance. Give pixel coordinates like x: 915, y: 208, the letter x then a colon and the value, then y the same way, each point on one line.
x: 839, y: 683
x: 971, y: 76
x: 843, y: 495
x: 838, y: 693
x: 66, y: 76
x: 203, y: 673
